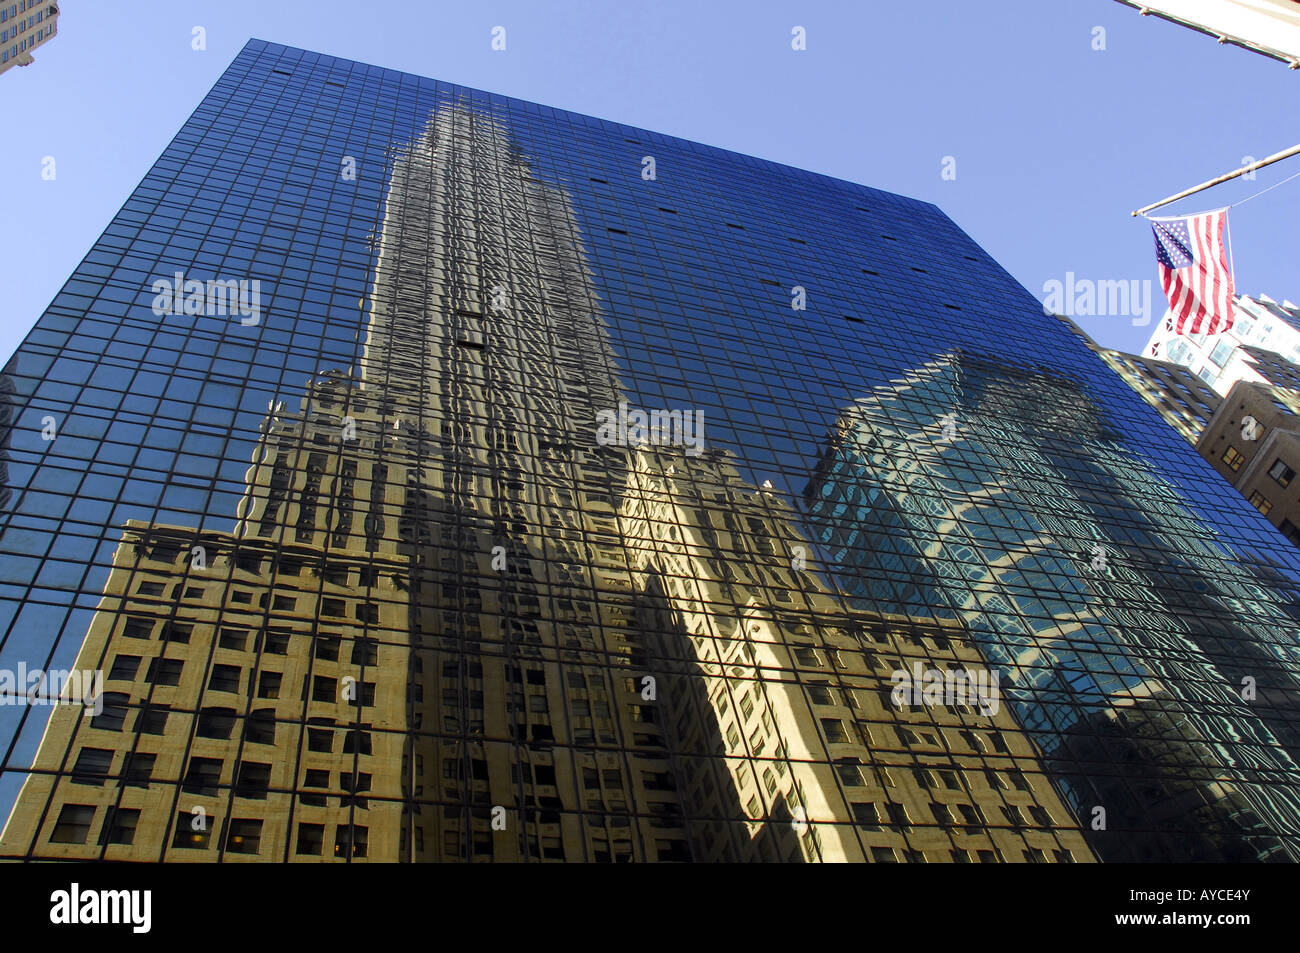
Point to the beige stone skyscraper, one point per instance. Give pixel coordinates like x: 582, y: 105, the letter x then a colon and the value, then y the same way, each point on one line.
x: 25, y: 25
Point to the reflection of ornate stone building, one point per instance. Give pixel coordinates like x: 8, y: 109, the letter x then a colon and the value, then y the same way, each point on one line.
x: 254, y: 699
x: 449, y: 625
x: 779, y: 697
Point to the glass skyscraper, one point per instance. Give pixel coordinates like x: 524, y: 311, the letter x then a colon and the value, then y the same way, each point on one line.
x: 416, y: 474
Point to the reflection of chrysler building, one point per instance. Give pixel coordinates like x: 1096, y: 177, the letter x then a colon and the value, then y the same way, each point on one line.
x: 410, y: 553
x: 449, y: 625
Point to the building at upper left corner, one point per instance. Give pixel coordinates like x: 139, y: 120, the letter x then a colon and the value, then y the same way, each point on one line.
x: 25, y: 25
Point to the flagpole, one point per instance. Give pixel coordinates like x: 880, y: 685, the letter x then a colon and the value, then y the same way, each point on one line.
x: 1276, y: 157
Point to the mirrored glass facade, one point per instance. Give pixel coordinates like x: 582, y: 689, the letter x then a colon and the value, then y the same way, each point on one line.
x: 419, y: 474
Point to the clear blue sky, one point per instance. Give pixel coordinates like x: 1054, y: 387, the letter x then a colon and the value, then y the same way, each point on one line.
x: 1054, y: 142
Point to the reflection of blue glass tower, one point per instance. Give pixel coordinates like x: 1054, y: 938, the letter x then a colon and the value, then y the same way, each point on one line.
x: 1000, y: 496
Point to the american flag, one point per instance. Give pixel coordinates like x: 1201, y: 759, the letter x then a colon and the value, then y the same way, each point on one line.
x: 1194, y: 273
